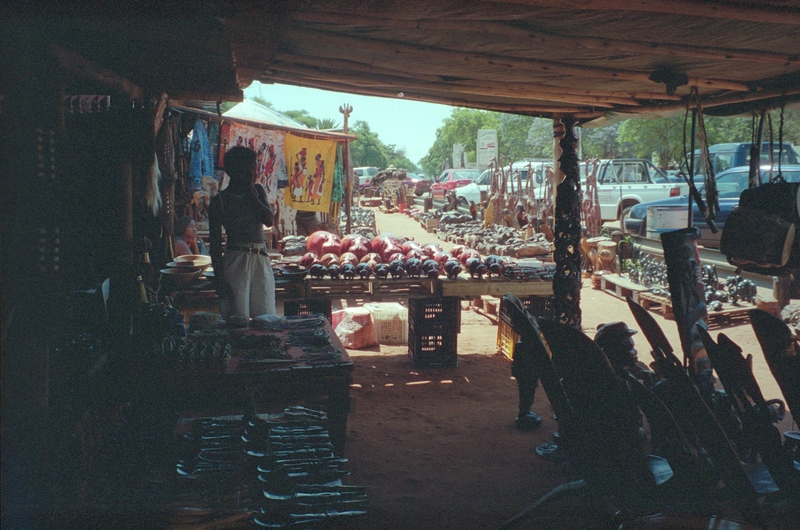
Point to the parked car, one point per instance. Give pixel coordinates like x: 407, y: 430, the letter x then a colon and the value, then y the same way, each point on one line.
x: 364, y: 175
x: 536, y: 168
x: 419, y: 183
x: 451, y: 179
x: 726, y: 156
x: 730, y: 184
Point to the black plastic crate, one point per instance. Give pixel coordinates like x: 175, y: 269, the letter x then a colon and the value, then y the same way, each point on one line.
x: 539, y: 306
x: 307, y: 307
x: 433, y: 325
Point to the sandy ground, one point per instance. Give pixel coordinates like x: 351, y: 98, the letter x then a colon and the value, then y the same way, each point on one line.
x: 437, y: 447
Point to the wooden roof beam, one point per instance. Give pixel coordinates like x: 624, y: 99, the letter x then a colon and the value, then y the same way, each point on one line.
x: 746, y: 10
x: 406, y: 85
x: 405, y: 53
x: 544, y: 38
x: 447, y: 99
x: 403, y: 80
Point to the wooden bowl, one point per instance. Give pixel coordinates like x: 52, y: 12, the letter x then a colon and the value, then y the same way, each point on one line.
x: 189, y: 265
x: 182, y: 276
x: 197, y: 259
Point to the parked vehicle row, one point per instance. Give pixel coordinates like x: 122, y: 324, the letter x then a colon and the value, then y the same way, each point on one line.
x: 621, y: 184
x: 730, y: 184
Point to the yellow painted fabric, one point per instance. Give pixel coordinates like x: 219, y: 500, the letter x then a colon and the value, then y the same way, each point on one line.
x: 309, y: 165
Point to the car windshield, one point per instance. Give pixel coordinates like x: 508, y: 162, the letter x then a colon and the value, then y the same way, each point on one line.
x: 466, y: 174
x: 732, y: 183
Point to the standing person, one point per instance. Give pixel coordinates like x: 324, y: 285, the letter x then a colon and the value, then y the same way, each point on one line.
x: 186, y: 240
x: 243, y: 275
x: 307, y: 223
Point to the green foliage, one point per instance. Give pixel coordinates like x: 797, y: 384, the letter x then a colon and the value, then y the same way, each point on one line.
x: 367, y: 150
x: 646, y: 138
x: 302, y: 116
x: 327, y: 123
x: 599, y: 142
x: 460, y: 128
x: 540, y: 138
x: 225, y: 106
x: 513, y: 135
x: 397, y: 158
x: 262, y: 101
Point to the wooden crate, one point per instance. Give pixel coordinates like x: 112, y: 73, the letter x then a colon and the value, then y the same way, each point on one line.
x: 621, y: 286
x: 655, y: 303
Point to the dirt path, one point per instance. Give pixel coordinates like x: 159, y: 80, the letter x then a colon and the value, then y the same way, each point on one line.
x: 443, y: 453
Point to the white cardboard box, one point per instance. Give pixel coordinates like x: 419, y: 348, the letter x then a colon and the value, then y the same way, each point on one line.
x: 390, y: 320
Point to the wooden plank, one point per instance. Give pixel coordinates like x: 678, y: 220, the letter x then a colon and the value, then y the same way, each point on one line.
x: 620, y: 286
x: 467, y: 289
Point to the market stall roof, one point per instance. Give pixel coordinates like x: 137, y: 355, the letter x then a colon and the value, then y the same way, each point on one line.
x: 593, y: 59
x: 297, y: 130
x: 252, y: 110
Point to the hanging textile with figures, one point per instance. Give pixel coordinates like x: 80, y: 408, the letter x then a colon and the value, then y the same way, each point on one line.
x: 310, y: 166
x: 267, y: 144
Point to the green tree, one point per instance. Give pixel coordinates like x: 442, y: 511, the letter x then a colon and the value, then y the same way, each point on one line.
x: 367, y: 150
x: 397, y: 158
x: 599, y: 142
x: 645, y: 138
x: 327, y: 123
x: 461, y: 127
x: 262, y: 101
x: 302, y: 116
x: 225, y: 106
x: 513, y: 134
x: 540, y: 138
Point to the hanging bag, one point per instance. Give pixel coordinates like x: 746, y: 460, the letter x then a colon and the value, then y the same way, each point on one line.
x: 761, y: 234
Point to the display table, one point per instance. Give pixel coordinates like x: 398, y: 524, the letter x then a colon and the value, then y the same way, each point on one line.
x: 434, y: 311
x: 197, y: 379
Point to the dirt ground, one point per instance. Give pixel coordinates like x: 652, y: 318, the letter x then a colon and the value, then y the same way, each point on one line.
x: 437, y: 447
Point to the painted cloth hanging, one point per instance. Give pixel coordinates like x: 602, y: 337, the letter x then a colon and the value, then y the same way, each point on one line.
x: 268, y: 145
x: 338, y: 177
x: 310, y: 166
x: 201, y: 161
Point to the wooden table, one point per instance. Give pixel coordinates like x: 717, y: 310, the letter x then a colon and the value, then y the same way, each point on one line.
x: 241, y: 386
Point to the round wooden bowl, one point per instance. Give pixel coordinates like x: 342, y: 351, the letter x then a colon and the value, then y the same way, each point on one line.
x: 182, y: 276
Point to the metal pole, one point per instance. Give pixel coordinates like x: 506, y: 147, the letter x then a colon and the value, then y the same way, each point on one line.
x: 348, y: 172
x: 691, y: 165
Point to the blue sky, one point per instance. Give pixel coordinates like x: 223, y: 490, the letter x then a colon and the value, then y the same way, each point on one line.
x: 408, y: 124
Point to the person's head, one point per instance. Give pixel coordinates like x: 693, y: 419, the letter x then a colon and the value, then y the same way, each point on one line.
x: 616, y: 341
x: 186, y: 228
x: 241, y: 165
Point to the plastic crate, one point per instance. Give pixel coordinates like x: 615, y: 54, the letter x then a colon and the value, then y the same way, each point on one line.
x: 307, y: 307
x: 391, y: 322
x: 433, y: 326
x: 539, y: 306
x: 506, y: 339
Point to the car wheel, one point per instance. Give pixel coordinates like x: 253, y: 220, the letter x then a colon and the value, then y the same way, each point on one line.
x: 419, y: 193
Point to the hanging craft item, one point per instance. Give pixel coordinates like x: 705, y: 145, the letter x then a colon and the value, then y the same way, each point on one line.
x: 760, y: 235
x: 202, y: 161
x: 310, y: 165
x: 269, y: 148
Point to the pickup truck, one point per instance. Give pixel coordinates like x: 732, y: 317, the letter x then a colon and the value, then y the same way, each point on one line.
x: 621, y: 184
x: 625, y: 182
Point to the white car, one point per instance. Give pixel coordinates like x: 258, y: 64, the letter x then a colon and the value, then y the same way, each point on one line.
x: 472, y: 191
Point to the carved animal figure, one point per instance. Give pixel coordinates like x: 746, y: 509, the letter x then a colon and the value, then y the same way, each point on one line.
x: 348, y: 271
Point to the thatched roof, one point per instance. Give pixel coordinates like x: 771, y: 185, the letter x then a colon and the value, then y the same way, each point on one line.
x: 590, y: 58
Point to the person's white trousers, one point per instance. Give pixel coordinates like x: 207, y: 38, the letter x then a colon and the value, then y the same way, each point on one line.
x: 251, y: 283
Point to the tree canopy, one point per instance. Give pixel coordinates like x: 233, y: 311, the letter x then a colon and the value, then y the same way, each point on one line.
x: 520, y: 137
